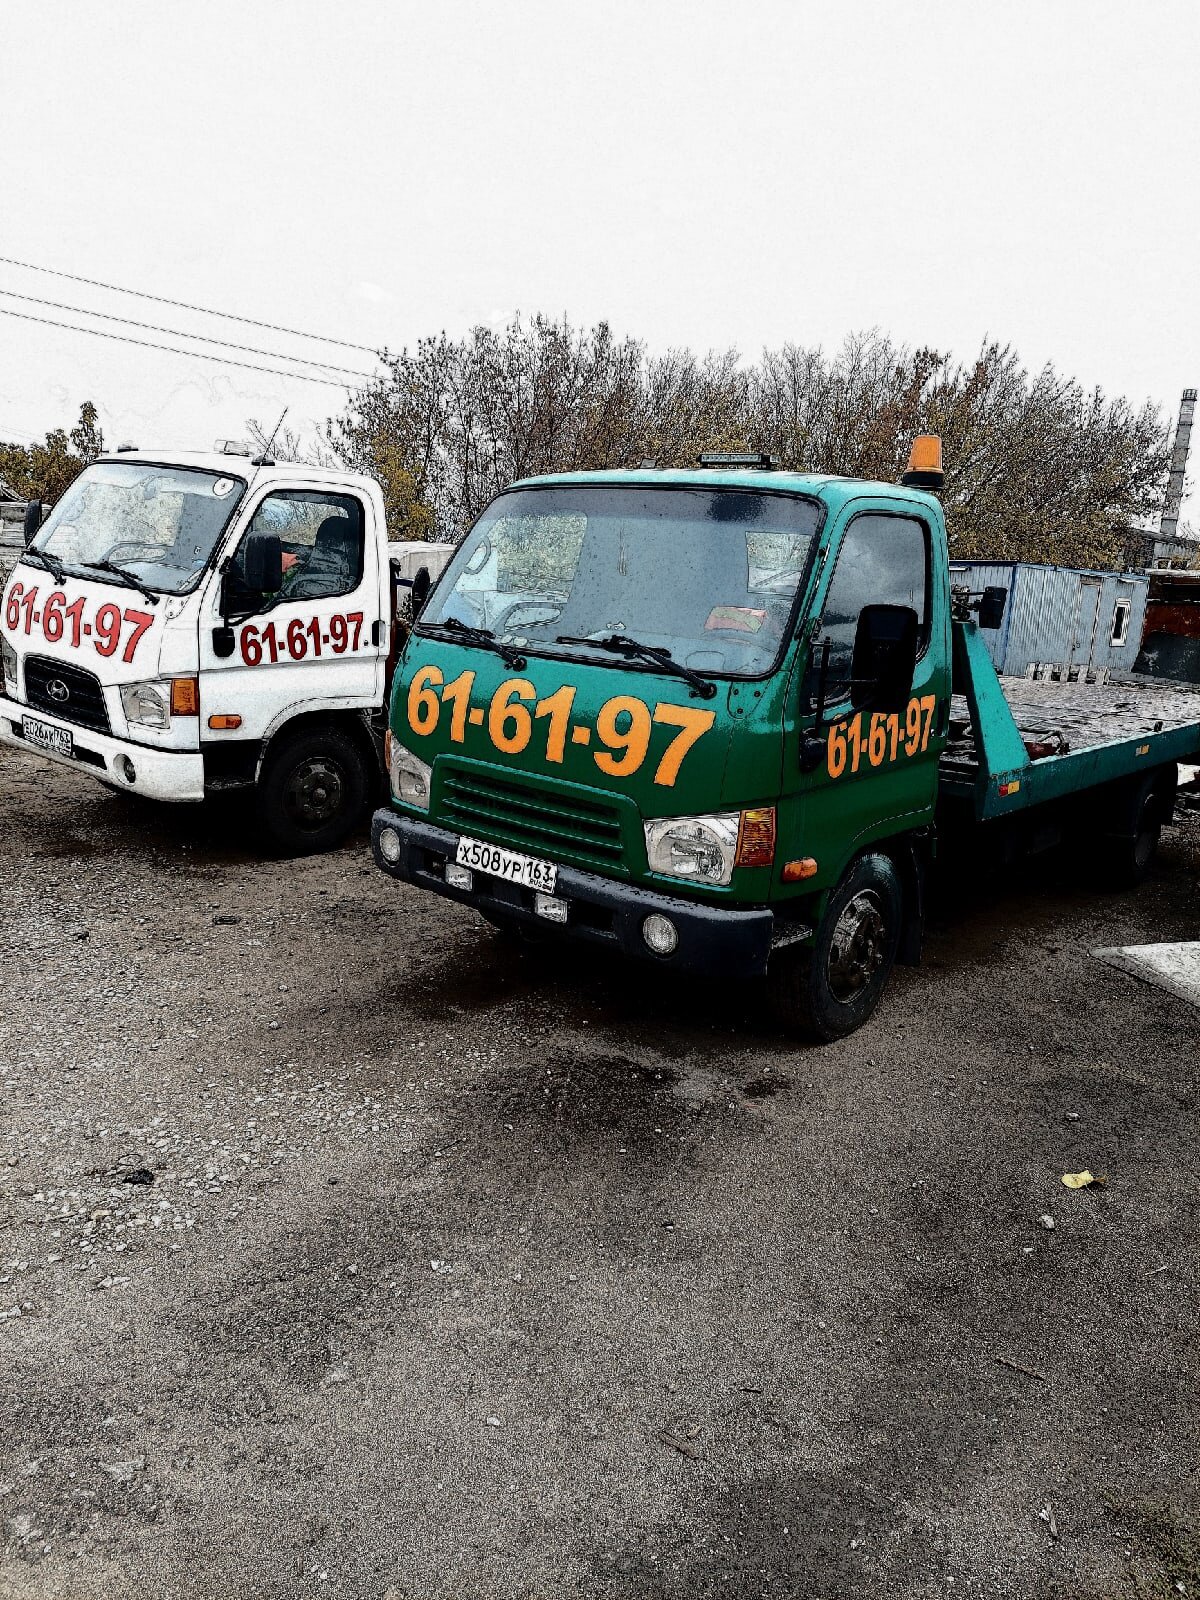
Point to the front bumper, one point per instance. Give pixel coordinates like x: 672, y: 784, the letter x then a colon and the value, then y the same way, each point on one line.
x: 158, y: 774
x: 712, y: 939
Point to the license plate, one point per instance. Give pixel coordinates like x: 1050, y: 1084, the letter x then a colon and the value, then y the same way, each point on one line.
x: 508, y: 864
x: 59, y: 741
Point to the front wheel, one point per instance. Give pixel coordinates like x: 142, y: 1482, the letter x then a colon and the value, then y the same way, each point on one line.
x: 312, y: 791
x: 831, y: 989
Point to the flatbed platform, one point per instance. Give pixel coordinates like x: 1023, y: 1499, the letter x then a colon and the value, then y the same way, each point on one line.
x: 1060, y: 718
x: 1019, y: 743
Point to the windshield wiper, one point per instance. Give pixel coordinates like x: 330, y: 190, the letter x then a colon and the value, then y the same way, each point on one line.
x: 485, y: 637
x: 51, y: 563
x: 619, y: 645
x: 131, y: 580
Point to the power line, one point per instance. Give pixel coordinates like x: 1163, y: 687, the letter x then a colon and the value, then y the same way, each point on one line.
x: 184, y: 305
x: 200, y: 355
x: 181, y: 333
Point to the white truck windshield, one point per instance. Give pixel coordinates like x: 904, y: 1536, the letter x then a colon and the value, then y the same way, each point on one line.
x: 708, y: 574
x: 158, y: 523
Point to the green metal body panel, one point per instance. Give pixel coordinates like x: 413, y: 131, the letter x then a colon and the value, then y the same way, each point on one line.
x: 1005, y: 764
x: 572, y: 810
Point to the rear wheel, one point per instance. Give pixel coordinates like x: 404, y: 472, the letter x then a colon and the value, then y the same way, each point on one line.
x: 1129, y: 856
x: 312, y: 791
x: 831, y: 989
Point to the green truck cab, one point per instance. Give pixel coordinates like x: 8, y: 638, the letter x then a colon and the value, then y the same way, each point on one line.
x: 699, y: 717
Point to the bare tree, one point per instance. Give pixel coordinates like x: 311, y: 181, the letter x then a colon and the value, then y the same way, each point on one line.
x: 1036, y: 468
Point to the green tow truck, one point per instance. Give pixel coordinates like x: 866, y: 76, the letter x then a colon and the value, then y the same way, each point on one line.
x: 717, y: 719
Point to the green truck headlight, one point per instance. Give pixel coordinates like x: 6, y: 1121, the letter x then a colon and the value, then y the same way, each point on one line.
x: 408, y: 774
x: 701, y: 849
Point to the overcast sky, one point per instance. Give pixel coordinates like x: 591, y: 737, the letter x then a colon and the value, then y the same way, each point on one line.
x: 696, y: 173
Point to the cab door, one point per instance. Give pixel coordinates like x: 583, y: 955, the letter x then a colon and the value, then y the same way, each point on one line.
x: 318, y: 640
x: 876, y: 769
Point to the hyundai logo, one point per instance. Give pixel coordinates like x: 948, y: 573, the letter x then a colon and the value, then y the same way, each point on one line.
x: 58, y: 691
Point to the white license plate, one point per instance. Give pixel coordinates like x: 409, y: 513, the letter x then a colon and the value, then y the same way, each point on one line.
x: 508, y: 864
x: 59, y: 741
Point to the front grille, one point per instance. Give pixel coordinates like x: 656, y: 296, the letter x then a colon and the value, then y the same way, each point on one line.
x: 83, y: 702
x: 549, y: 821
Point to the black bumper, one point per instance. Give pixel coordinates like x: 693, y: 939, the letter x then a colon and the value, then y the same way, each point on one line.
x: 732, y: 943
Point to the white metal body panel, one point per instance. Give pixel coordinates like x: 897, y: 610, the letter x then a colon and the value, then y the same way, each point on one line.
x: 119, y: 637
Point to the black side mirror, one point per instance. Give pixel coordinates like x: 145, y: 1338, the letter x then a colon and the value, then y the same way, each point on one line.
x: 885, y: 657
x: 262, y: 562
x: 991, y: 607
x: 421, y: 585
x: 33, y: 519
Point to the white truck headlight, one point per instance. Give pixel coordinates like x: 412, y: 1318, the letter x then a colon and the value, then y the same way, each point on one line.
x: 147, y: 703
x: 8, y: 662
x: 408, y: 774
x: 702, y: 849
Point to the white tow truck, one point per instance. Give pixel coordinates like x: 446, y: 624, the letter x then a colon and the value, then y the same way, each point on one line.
x: 188, y: 623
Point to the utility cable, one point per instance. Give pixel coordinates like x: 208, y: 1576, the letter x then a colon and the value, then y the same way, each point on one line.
x: 184, y: 305
x: 182, y: 333
x: 200, y: 355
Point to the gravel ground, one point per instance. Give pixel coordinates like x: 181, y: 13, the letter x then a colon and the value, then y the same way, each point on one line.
x: 346, y: 1251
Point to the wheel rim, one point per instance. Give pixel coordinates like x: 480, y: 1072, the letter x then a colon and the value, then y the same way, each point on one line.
x: 314, y: 793
x: 858, y: 946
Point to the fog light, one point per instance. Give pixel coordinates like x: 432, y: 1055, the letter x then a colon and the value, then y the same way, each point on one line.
x: 389, y: 845
x: 660, y: 934
x: 550, y: 907
x: 126, y: 769
x: 459, y: 877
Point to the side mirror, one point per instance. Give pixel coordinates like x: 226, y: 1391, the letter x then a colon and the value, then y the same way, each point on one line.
x: 33, y: 519
x: 262, y: 562
x: 885, y: 657
x: 421, y: 585
x: 991, y: 607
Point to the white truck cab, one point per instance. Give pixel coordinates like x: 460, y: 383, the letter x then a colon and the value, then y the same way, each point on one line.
x: 187, y: 623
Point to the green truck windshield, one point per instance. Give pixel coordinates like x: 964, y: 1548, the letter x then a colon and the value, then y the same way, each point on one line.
x: 708, y: 574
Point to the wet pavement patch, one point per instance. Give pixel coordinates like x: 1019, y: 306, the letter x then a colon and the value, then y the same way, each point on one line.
x: 763, y: 1087
x: 588, y: 1095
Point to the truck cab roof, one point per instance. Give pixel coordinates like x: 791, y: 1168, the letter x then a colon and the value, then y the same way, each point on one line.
x: 239, y: 466
x: 829, y: 487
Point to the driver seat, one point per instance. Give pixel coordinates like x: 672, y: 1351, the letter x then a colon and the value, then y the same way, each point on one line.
x: 335, y: 563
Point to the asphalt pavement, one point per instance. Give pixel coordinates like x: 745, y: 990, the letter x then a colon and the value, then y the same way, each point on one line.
x: 347, y: 1250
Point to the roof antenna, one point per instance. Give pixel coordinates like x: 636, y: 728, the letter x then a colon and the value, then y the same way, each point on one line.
x: 266, y: 460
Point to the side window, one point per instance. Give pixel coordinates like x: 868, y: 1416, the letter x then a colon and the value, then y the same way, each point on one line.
x: 883, y: 560
x: 322, y: 540
x: 1120, y: 623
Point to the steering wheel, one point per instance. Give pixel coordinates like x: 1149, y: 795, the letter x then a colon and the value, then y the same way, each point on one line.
x: 504, y: 622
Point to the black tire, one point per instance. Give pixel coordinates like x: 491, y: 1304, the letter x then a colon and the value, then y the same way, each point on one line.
x: 312, y: 791
x: 1128, y: 858
x: 831, y: 989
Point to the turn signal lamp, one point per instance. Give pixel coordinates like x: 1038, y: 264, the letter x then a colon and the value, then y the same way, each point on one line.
x: 797, y: 871
x: 185, y: 697
x: 925, y: 463
x: 223, y: 720
x: 756, y: 838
